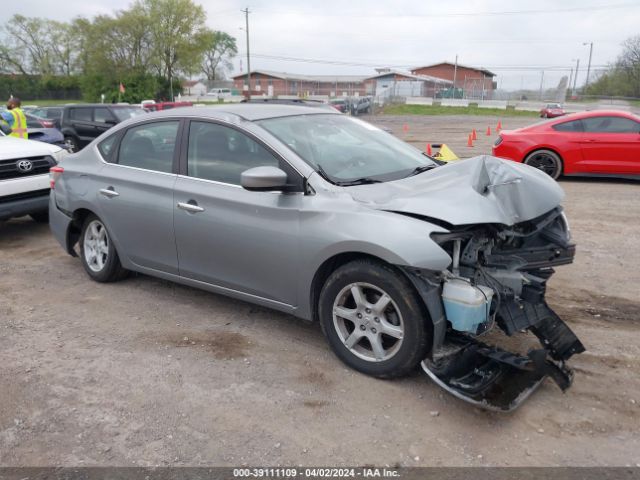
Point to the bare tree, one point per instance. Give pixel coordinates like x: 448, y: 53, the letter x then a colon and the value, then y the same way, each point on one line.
x: 220, y: 48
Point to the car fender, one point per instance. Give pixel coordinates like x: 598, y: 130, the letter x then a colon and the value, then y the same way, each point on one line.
x: 392, y: 237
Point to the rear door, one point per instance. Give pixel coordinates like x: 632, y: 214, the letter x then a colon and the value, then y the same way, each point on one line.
x: 135, y: 194
x: 611, y: 144
x: 227, y: 236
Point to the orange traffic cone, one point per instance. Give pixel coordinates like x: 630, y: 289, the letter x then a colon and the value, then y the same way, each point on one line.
x: 499, y: 127
x: 489, y: 131
x: 470, y: 140
x: 429, y: 149
x: 405, y: 128
x: 474, y: 134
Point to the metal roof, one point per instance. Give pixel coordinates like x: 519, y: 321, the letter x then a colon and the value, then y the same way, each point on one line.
x: 424, y: 78
x: 306, y: 78
x: 479, y: 69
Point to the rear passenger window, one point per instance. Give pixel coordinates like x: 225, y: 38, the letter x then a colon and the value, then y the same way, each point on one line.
x: 573, y: 126
x: 149, y: 146
x: 82, y: 114
x: 221, y: 153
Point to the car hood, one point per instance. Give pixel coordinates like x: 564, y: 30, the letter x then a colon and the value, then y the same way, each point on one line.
x: 12, y: 147
x: 482, y: 189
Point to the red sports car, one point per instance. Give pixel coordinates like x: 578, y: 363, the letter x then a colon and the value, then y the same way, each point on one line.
x: 552, y: 110
x: 596, y: 143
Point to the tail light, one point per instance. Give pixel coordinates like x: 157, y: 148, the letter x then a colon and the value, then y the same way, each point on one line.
x: 498, y: 141
x: 54, y: 174
x: 47, y: 124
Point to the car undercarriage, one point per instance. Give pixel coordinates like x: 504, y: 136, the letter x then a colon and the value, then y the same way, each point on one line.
x: 507, y: 268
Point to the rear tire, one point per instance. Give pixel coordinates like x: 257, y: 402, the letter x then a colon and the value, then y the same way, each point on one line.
x: 373, y: 319
x: 97, y: 252
x: 547, y: 161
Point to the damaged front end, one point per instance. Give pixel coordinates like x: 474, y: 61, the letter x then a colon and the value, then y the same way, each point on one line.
x: 498, y: 277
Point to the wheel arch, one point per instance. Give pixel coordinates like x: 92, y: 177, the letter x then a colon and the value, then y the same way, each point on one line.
x: 539, y: 148
x: 331, y: 264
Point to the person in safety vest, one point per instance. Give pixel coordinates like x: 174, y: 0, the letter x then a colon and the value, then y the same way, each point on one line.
x: 16, y: 118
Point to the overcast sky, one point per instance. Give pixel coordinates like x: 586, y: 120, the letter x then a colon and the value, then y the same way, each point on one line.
x: 358, y: 35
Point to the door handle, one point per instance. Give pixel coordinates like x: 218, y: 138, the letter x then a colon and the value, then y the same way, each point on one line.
x: 109, y: 192
x: 190, y: 207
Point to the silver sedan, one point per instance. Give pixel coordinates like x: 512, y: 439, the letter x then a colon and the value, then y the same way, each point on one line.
x: 403, y: 261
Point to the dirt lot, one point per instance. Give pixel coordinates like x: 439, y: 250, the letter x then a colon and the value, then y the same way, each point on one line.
x: 145, y: 372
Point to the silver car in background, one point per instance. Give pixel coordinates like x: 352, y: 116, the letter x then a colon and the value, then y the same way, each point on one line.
x: 402, y: 261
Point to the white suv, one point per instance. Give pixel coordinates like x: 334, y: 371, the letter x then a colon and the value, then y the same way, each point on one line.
x: 24, y: 176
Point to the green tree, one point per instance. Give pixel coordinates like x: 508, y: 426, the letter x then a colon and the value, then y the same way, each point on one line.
x: 622, y: 78
x: 220, y: 48
x: 176, y: 27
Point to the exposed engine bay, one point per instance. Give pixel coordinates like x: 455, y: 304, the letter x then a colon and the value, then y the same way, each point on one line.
x: 498, y: 278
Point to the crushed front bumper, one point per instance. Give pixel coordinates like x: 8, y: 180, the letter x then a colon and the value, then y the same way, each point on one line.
x: 494, y: 379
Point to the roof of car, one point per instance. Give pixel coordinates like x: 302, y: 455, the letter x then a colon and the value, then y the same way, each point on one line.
x: 248, y: 111
x: 598, y: 113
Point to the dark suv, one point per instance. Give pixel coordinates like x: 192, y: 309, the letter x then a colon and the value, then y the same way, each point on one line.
x: 81, y: 123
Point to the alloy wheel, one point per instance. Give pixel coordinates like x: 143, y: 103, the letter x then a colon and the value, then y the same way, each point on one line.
x: 368, y: 322
x: 96, y: 246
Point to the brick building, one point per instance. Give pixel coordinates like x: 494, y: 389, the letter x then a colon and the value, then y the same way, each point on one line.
x: 477, y: 83
x: 266, y: 82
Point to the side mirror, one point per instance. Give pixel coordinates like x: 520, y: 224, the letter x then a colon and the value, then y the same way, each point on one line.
x: 110, y: 122
x: 263, y: 179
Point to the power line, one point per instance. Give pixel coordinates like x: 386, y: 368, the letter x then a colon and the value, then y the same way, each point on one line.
x: 348, y: 63
x: 455, y: 14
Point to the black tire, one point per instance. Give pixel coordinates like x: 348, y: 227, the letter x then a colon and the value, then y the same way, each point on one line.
x: 111, y: 269
x: 72, y: 143
x: 40, y: 217
x: 414, y: 319
x: 547, y: 161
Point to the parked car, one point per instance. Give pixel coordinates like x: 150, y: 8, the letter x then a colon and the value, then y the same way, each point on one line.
x: 53, y: 114
x: 81, y: 123
x: 24, y: 176
x: 43, y: 130
x: 360, y: 105
x: 596, y: 143
x: 220, y: 93
x: 331, y: 219
x: 340, y: 104
x: 552, y: 110
x: 157, y: 106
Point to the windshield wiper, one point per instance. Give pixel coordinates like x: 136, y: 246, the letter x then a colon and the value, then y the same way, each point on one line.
x: 358, y: 181
x: 347, y: 183
x: 420, y: 169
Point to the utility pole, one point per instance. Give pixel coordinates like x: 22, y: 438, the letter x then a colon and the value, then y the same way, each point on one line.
x: 570, y: 79
x: 246, y: 20
x: 575, y: 78
x: 541, y: 82
x: 586, y: 83
x: 455, y: 74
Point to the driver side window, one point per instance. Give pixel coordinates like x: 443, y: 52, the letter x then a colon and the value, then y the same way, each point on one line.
x: 221, y: 153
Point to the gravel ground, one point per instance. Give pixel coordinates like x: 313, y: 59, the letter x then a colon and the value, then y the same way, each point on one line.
x: 145, y: 372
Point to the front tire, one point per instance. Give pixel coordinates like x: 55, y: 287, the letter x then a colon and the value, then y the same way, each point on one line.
x: 97, y: 252
x: 547, y: 161
x: 373, y: 319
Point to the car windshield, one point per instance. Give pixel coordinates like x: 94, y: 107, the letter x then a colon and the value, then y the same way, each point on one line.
x: 348, y: 150
x: 126, y: 113
x: 554, y: 105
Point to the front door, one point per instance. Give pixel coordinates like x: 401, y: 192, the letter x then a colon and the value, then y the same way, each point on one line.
x: 228, y: 236
x: 611, y: 144
x: 135, y: 195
